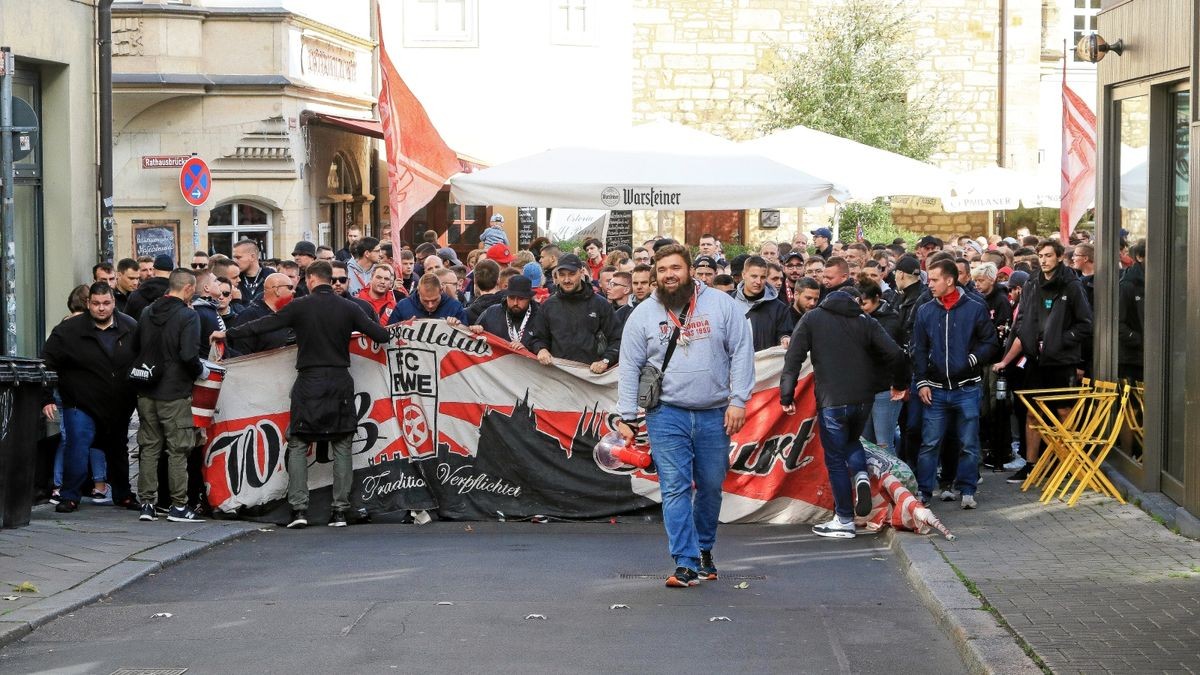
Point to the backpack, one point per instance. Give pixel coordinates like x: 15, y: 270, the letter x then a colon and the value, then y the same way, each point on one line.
x: 147, y: 368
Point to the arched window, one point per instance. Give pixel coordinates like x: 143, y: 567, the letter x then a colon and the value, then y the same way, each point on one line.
x: 229, y: 223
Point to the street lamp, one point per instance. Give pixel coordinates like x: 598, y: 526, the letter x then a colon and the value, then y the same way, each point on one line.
x: 1092, y: 48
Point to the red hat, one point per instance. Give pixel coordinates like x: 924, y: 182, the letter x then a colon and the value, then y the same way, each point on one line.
x: 500, y: 253
x: 1006, y: 271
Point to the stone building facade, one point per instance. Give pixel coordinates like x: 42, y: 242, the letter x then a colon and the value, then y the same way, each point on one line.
x: 272, y: 100
x: 709, y: 63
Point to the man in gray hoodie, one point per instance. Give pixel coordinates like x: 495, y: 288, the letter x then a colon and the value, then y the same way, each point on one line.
x: 705, y: 388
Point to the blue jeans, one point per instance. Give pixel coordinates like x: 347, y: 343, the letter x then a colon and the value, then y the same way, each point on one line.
x: 689, y: 447
x: 79, y: 431
x: 963, y: 406
x: 840, y: 428
x: 885, y: 413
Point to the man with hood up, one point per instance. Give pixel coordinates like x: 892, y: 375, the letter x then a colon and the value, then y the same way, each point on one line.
x: 770, y: 318
x: 849, y: 349
x: 152, y: 288
x: 168, y: 340
x: 575, y: 323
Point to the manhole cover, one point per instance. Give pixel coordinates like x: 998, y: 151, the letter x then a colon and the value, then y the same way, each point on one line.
x: 150, y: 671
x: 737, y: 577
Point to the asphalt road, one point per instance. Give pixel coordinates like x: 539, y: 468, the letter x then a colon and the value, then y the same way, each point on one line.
x: 454, y: 598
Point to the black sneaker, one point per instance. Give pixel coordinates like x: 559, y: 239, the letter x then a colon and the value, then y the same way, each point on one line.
x: 299, y: 520
x: 682, y: 578
x: 708, y: 568
x: 148, y: 512
x: 55, y: 496
x: 338, y: 519
x: 1021, y: 474
x: 862, y: 494
x: 66, y: 506
x: 182, y: 514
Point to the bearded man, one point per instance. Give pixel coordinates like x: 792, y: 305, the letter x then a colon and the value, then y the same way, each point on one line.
x: 705, y: 387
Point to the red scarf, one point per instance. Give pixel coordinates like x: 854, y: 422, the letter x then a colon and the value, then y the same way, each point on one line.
x: 950, y: 298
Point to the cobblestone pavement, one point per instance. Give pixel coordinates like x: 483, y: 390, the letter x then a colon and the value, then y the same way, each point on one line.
x: 1098, y: 587
x: 73, y: 559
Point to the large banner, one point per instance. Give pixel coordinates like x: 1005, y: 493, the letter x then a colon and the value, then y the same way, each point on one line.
x: 465, y: 426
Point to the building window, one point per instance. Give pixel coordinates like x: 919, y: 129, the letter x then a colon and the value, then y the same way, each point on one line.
x: 1084, y: 17
x: 573, y: 22
x: 230, y: 223
x: 441, y: 23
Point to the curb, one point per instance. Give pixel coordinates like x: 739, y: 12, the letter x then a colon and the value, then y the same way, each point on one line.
x: 985, y: 646
x: 21, y: 622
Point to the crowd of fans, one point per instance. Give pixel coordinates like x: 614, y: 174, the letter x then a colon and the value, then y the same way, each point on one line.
x: 976, y: 318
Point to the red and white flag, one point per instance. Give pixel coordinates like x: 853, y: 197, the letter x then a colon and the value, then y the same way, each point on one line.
x: 419, y: 161
x: 1078, y: 161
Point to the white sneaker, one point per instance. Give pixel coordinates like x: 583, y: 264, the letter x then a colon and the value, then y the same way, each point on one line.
x: 1015, y: 465
x: 968, y: 502
x: 835, y: 528
x: 950, y: 495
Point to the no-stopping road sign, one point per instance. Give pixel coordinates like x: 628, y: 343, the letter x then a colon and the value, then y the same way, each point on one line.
x: 195, y: 181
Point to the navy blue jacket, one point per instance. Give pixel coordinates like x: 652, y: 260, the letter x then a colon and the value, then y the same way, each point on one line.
x: 948, y: 346
x: 411, y: 308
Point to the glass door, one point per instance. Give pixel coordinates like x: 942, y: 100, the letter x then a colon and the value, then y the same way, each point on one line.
x: 1174, y: 448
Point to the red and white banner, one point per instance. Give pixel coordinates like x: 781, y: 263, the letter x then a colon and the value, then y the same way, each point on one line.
x: 464, y: 425
x: 1078, y: 161
x: 419, y: 161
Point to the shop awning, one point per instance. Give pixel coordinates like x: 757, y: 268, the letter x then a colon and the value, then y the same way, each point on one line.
x: 374, y: 129
x: 362, y: 127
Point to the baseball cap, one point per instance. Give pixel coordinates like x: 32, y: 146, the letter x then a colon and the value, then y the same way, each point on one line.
x: 1011, y: 241
x: 448, y: 255
x: 500, y: 253
x: 519, y: 287
x: 705, y: 261
x: 164, y: 263
x: 305, y: 248
x: 975, y: 245
x: 569, y: 262
x: 908, y: 265
x: 929, y: 240
x: 1006, y: 271
x: 822, y: 232
x: 1018, y: 278
x: 794, y: 254
x: 497, y: 218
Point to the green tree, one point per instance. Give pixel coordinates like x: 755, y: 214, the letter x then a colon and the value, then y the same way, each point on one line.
x: 876, y: 221
x: 857, y: 79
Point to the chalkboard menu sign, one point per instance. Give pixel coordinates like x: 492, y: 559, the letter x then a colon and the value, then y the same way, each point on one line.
x: 620, y: 230
x: 526, y: 226
x: 156, y: 237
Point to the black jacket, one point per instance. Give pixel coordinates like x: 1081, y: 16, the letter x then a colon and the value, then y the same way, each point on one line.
x: 572, y: 325
x: 479, y: 305
x: 210, y: 321
x: 175, y: 328
x: 1131, y: 316
x: 261, y: 342
x: 366, y: 306
x: 826, y: 252
x: 1055, y: 314
x: 493, y: 322
x: 770, y: 318
x: 826, y: 291
x: 89, y: 377
x: 150, y: 290
x: 849, y: 349
x: 1000, y: 310
x: 889, y: 318
x: 322, y: 322
x: 909, y: 300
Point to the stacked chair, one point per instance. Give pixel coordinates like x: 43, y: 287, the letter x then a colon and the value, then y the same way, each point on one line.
x: 1080, y: 426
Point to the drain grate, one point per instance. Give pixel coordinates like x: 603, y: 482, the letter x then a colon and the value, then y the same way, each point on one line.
x: 724, y: 577
x: 150, y: 671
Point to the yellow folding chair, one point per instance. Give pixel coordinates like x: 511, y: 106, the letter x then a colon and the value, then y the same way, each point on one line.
x: 1086, y: 414
x: 1040, y: 420
x: 1082, y: 448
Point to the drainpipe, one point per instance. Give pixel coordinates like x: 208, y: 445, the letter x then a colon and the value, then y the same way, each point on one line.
x: 104, y: 42
x: 1002, y: 103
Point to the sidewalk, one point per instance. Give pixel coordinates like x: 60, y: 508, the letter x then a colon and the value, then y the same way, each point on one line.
x: 1100, y: 587
x: 74, y: 559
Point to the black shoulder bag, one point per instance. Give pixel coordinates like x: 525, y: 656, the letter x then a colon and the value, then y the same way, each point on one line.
x: 650, y: 378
